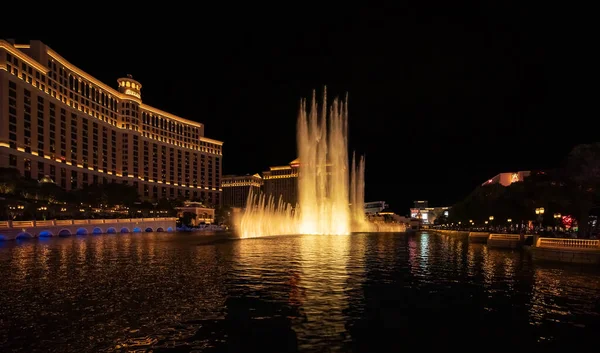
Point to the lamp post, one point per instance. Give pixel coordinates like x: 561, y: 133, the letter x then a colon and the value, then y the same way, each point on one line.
x: 540, y: 215
x: 491, y: 218
x: 557, y: 217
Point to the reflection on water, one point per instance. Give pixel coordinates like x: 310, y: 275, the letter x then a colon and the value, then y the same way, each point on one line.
x: 359, y: 293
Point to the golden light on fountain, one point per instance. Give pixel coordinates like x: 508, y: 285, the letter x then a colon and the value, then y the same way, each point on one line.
x: 328, y: 202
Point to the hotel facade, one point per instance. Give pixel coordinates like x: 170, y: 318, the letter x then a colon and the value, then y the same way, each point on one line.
x: 58, y: 121
x: 236, y: 189
x: 282, y: 181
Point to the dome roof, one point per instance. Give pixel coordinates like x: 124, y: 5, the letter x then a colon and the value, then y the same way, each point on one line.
x: 46, y: 179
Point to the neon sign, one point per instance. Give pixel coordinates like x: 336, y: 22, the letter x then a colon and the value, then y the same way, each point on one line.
x: 133, y: 93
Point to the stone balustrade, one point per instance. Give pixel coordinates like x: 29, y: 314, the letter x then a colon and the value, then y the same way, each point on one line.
x: 580, y: 251
x: 46, y: 228
x: 512, y: 241
x: 567, y: 243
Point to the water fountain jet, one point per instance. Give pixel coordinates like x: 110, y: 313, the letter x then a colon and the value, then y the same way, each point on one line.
x: 327, y: 202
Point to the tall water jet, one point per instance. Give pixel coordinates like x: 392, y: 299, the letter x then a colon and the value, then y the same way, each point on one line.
x: 323, y: 172
x: 328, y: 202
x: 357, y: 195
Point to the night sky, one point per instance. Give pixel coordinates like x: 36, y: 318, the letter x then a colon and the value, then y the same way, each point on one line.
x: 440, y: 98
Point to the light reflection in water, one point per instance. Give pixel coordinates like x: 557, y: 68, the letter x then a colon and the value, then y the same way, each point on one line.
x: 323, y: 278
x: 166, y: 292
x: 424, y: 244
x: 559, y: 296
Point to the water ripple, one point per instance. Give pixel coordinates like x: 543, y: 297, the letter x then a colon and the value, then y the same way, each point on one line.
x: 360, y: 293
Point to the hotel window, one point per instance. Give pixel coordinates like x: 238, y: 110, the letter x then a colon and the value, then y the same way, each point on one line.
x: 84, y: 142
x: 27, y: 120
x: 63, y: 134
x: 125, y: 155
x: 63, y: 178
x: 145, y: 161
x: 52, y: 129
x: 27, y: 168
x: 171, y: 165
x: 135, y: 155
x: 195, y: 169
x: 187, y: 168
x: 104, y: 149
x: 179, y: 169
x: 12, y: 114
x: 154, y: 162
x: 12, y: 160
x: 113, y: 151
x: 73, y: 179
x: 40, y: 126
x: 74, y: 134
x: 41, y: 170
x: 163, y: 164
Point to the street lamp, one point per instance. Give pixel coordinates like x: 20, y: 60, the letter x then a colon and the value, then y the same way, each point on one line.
x: 540, y: 212
x: 557, y: 217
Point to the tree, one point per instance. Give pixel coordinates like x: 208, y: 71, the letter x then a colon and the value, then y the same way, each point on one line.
x: 223, y: 215
x: 582, y: 179
x: 187, y: 218
x: 441, y: 219
x: 9, y: 178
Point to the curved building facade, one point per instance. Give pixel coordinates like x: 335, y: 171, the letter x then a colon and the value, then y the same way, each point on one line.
x: 59, y: 122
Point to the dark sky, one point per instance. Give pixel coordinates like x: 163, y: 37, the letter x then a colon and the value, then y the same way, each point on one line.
x: 441, y: 98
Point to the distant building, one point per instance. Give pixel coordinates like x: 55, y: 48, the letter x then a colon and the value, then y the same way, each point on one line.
x: 375, y: 207
x: 508, y: 178
x: 427, y: 215
x: 237, y: 187
x: 282, y: 181
x: 421, y: 204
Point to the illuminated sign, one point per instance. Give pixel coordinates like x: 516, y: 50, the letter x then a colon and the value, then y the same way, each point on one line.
x: 133, y: 93
x: 514, y: 178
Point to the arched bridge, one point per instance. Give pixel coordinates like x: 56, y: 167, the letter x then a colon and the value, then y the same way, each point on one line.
x: 31, y: 229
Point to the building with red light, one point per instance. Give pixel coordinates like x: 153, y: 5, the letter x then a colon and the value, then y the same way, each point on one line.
x: 506, y: 179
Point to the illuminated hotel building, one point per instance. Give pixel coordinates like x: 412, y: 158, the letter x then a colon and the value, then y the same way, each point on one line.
x: 59, y: 121
x: 282, y: 181
x: 237, y: 187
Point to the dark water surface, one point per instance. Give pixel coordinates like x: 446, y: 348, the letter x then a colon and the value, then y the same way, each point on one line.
x: 160, y: 292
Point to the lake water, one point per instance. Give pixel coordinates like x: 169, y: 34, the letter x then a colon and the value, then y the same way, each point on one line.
x: 184, y: 292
